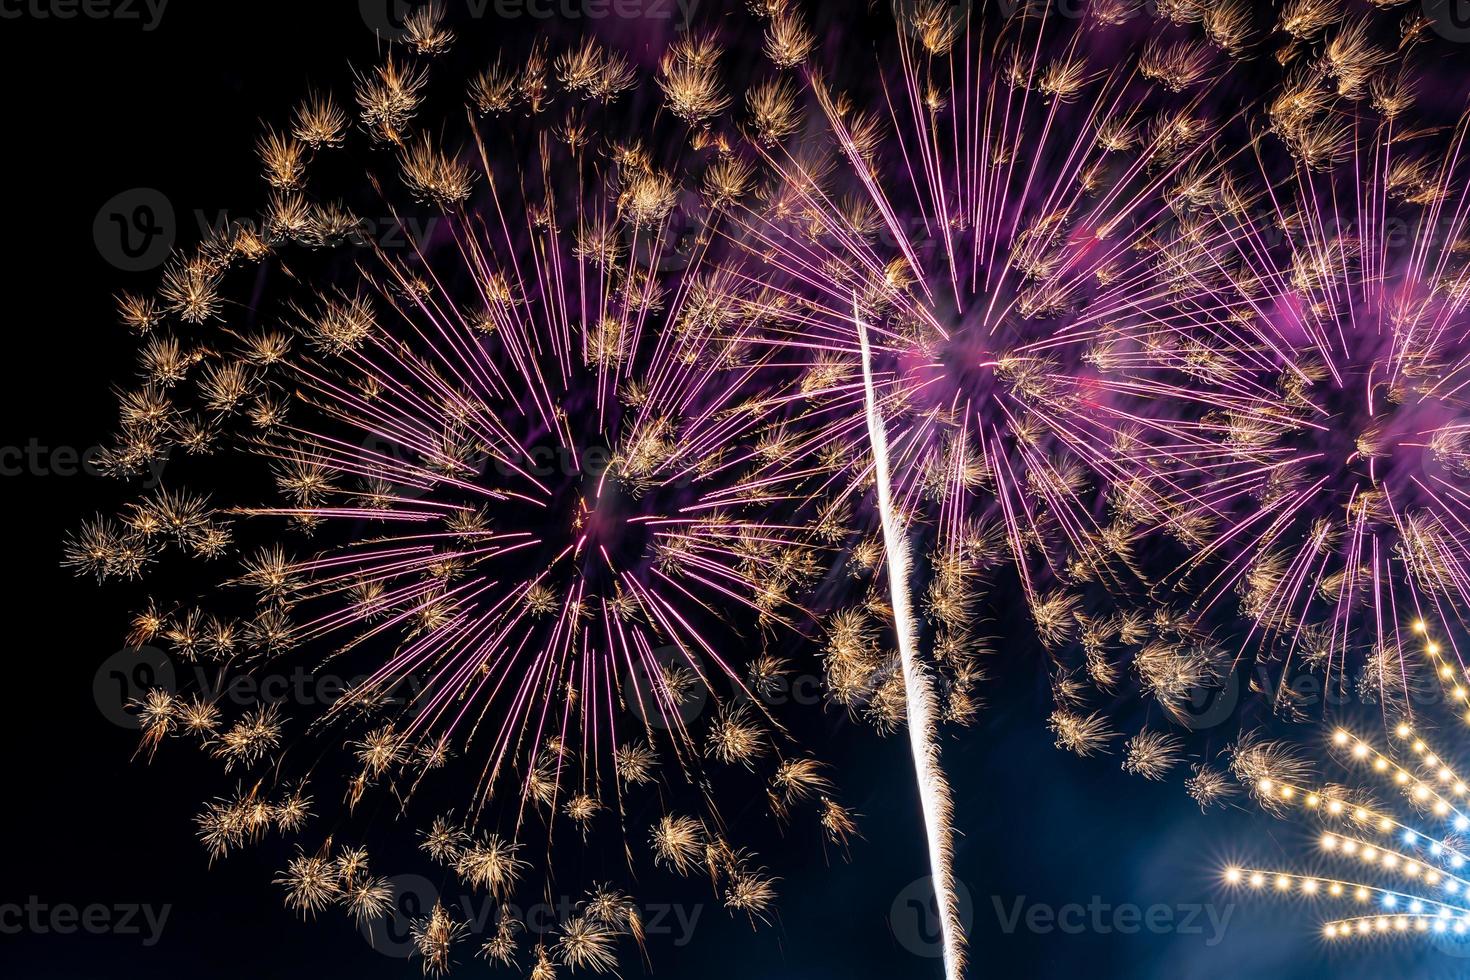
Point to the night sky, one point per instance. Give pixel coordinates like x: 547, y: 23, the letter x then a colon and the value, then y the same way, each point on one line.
x: 95, y: 108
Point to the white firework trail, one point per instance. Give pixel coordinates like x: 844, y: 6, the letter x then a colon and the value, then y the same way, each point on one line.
x: 918, y: 687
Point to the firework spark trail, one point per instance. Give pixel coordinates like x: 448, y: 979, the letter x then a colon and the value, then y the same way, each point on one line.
x: 1366, y: 344
x: 1425, y: 863
x: 918, y: 686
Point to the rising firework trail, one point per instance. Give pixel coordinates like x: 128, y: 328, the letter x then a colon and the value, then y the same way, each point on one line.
x: 918, y: 687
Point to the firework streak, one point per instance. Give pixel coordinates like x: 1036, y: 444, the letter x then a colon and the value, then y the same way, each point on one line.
x: 918, y: 689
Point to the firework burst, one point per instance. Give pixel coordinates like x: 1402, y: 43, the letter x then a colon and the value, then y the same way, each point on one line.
x: 1319, y: 494
x: 515, y: 464
x: 1003, y: 193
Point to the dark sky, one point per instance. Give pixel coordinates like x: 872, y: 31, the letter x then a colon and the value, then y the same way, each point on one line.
x: 99, y: 107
